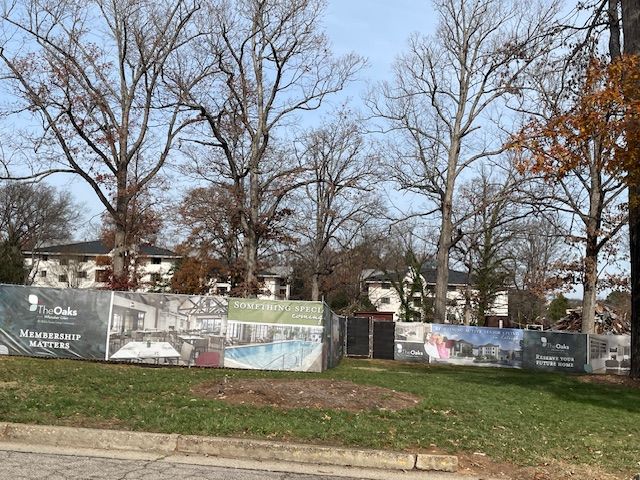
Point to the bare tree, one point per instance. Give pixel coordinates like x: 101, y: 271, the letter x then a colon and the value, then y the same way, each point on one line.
x: 261, y: 64
x: 31, y: 215
x: 341, y: 199
x: 445, y: 90
x: 87, y: 80
x: 496, y: 206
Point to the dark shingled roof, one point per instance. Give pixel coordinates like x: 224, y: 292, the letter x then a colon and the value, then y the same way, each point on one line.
x: 97, y: 247
x: 428, y: 271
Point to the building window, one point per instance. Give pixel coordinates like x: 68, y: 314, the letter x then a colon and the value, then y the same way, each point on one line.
x: 385, y: 300
x: 43, y: 273
x: 102, y: 276
x: 64, y: 261
x: 156, y: 261
x: 82, y: 274
x: 386, y: 285
x: 221, y: 290
x: 44, y: 257
x: 62, y: 278
x: 156, y: 277
x: 84, y: 259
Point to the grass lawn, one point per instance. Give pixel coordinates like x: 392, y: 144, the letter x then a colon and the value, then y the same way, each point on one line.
x: 511, y: 415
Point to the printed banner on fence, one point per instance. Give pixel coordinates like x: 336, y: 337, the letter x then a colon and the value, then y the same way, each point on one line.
x: 49, y: 322
x: 458, y: 344
x: 480, y: 346
x: 276, y: 335
x: 168, y: 329
x: 609, y: 354
x: 409, y: 342
x: 274, y: 311
x: 555, y: 351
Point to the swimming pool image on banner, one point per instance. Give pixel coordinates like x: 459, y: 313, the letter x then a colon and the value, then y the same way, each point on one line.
x: 273, y: 347
x: 285, y: 355
x: 276, y: 335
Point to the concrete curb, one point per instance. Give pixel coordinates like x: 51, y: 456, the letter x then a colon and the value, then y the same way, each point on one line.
x: 289, y: 452
x: 223, y: 447
x: 91, y: 438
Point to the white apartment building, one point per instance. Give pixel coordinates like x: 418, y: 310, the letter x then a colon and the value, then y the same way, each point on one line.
x: 85, y: 265
x: 275, y: 284
x: 385, y: 297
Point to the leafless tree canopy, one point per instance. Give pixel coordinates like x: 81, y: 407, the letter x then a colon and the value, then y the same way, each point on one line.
x: 441, y: 104
x: 341, y: 200
x: 261, y: 63
x: 86, y: 80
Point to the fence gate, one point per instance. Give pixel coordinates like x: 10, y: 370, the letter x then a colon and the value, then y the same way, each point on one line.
x: 383, y: 339
x: 358, y: 335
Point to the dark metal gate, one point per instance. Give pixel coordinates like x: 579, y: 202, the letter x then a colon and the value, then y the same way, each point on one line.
x: 358, y: 336
x: 370, y: 338
x: 383, y: 339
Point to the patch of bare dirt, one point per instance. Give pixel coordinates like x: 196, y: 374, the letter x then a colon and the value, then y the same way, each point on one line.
x: 475, y: 464
x: 298, y: 393
x: 611, y: 380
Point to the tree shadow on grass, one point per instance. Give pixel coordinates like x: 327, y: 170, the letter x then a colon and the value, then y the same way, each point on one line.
x: 567, y: 387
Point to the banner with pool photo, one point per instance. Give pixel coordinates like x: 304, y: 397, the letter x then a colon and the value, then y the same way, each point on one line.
x: 275, y: 335
x: 50, y: 322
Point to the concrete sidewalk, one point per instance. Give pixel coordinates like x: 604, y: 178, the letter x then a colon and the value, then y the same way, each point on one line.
x: 174, y: 447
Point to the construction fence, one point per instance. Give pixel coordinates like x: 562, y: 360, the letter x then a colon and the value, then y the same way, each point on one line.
x: 512, y: 348
x: 158, y: 328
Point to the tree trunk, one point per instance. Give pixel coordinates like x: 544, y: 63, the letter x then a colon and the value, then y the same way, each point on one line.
x: 251, y: 286
x: 442, y: 265
x: 634, y: 234
x: 589, y: 284
x: 251, y: 264
x: 315, y: 287
x: 592, y: 227
x: 631, y: 34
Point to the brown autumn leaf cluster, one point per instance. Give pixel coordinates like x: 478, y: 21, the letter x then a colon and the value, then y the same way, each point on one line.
x: 601, y: 123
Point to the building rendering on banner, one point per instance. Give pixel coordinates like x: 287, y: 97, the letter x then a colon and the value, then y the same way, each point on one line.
x: 382, y: 290
x: 86, y: 264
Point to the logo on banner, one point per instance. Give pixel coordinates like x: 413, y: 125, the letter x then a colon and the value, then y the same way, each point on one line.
x: 33, y: 303
x: 58, y: 311
x: 557, y: 346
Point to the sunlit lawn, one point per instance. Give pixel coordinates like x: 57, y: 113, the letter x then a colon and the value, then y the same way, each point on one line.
x: 512, y: 415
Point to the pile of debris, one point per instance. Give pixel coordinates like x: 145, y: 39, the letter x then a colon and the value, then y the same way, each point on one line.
x: 607, y: 321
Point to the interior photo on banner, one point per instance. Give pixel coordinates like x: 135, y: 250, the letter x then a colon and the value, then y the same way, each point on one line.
x: 168, y: 329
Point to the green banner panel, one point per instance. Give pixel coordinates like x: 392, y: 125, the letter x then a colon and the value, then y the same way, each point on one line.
x: 274, y: 311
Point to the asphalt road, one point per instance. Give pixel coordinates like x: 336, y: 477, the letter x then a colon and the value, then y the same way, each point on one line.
x: 33, y: 466
x: 32, y: 462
